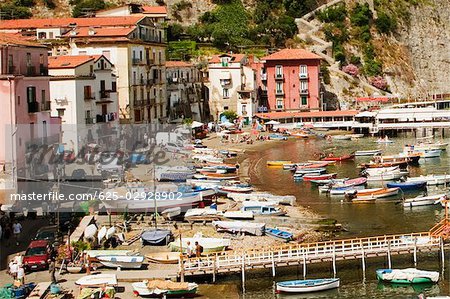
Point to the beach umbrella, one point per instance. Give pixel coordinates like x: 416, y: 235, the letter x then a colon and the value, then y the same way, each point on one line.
x: 272, y: 122
x: 196, y: 124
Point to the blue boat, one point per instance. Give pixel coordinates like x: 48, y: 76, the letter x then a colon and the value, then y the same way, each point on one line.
x: 307, y: 285
x: 408, y: 186
x: 279, y: 234
x: 277, y: 137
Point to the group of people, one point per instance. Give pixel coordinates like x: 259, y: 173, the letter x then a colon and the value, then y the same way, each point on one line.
x: 10, y: 229
x: 16, y: 269
x: 194, y: 251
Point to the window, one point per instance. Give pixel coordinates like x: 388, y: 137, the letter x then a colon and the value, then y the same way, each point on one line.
x: 29, y: 59
x: 10, y: 64
x: 280, y: 104
x: 134, y: 78
x: 225, y: 107
x: 279, y: 71
x: 31, y: 94
x: 41, y: 59
x: 244, y: 109
x: 102, y: 85
x: 82, y: 53
x: 225, y: 61
x: 303, y: 71
x: 279, y: 88
x: 43, y: 95
x: 226, y: 93
x: 18, y: 100
x: 50, y: 35
x: 42, y: 35
x: 304, y: 101
x: 87, y: 92
x: 304, y: 86
x: 113, y: 86
x: 60, y: 111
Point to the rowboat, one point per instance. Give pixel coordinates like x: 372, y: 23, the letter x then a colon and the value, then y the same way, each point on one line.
x: 407, y: 276
x: 429, y: 153
x: 329, y: 182
x: 278, y: 163
x: 372, y: 164
x: 308, y: 285
x: 93, y: 254
x: 355, y: 182
x: 121, y: 261
x: 97, y: 280
x: 110, y: 232
x: 407, y: 186
x: 279, y: 234
x: 165, y: 288
x: 156, y: 237
x: 343, y: 190
x: 367, y: 153
x: 237, y: 188
x: 277, y: 137
x: 310, y: 170
x: 341, y: 137
x: 209, y: 244
x: 341, y: 158
x: 432, y: 179
x: 375, y: 192
x: 258, y: 208
x: 309, y: 177
x: 252, y: 228
x: 384, y: 140
x: 363, y: 199
x: 325, y: 162
x: 312, y: 165
x: 422, y: 200
x: 355, y: 136
x: 163, y: 257
x: 300, y: 135
x: 431, y: 146
x: 101, y: 234
x: 248, y: 215
x: 203, y: 214
x: 90, y: 231
x: 220, y: 177
x: 263, y: 196
x: 408, y: 158
x: 172, y: 213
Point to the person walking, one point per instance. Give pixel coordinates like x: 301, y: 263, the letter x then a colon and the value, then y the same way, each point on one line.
x: 198, y: 249
x: 189, y: 250
x: 17, y: 230
x: 52, y: 270
x: 13, y: 269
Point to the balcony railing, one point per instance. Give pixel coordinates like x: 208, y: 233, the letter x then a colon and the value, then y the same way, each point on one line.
x: 88, y: 97
x: 264, y: 77
x: 137, y: 103
x: 46, y: 106
x: 303, y: 75
x: 89, y: 120
x: 279, y: 92
x: 33, y: 107
x: 136, y: 61
x: 150, y: 61
x: 104, y: 94
x: 43, y: 71
x: 31, y: 70
x: 11, y: 69
x: 303, y: 91
x: 279, y: 77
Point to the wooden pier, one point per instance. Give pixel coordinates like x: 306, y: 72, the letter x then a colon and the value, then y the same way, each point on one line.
x: 309, y: 253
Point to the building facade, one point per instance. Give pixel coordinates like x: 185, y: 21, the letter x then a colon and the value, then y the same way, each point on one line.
x: 185, y: 91
x: 231, y: 86
x: 83, y: 93
x: 292, y: 78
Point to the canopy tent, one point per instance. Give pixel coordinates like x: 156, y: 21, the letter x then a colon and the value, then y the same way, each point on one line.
x: 272, y: 122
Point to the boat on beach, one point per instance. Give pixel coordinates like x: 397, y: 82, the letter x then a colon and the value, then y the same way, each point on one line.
x: 423, y: 200
x: 279, y: 234
x: 121, y: 261
x: 367, y: 153
x: 236, y: 188
x: 156, y: 237
x: 407, y: 276
x: 263, y: 196
x: 164, y: 257
x: 278, y: 163
x: 165, y: 288
x: 308, y: 285
x: 262, y: 208
x: 209, y: 244
x: 245, y: 215
x: 97, y: 280
x: 234, y: 227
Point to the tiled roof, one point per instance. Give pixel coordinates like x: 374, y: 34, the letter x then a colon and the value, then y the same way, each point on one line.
x: 15, y: 39
x: 65, y: 22
x: 234, y: 58
x: 178, y: 64
x: 154, y: 9
x: 99, y: 31
x: 281, y: 115
x: 291, y: 54
x: 68, y: 62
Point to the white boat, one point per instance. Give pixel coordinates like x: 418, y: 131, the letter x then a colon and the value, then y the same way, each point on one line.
x: 407, y: 276
x: 171, y: 213
x: 208, y: 151
x: 387, y: 176
x: 431, y: 146
x: 111, y: 231
x: 203, y: 183
x: 121, y: 261
x: 341, y: 137
x: 263, y: 196
x: 384, y: 140
x: 378, y: 170
x: 429, y: 153
x: 207, y: 158
x: 200, y: 212
x: 422, y: 200
x: 101, y: 234
x: 209, y: 244
x: 97, y: 280
x: 94, y: 253
x: 432, y: 179
x: 308, y: 285
x: 90, y: 231
x: 355, y: 136
x: 368, y: 153
x: 163, y: 288
x: 239, y: 215
x: 164, y: 257
x: 234, y: 227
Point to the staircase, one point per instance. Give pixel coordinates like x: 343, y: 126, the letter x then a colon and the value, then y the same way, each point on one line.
x: 307, y: 32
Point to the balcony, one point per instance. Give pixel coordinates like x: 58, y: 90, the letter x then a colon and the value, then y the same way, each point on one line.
x: 88, y: 97
x: 45, y: 106
x: 104, y: 94
x: 303, y: 91
x: 43, y: 71
x: 136, y: 61
x: 150, y: 61
x: 11, y: 69
x: 279, y: 92
x: 303, y: 76
x: 89, y: 120
x: 33, y: 107
x: 137, y: 103
x: 31, y: 70
x: 279, y: 77
x: 225, y: 82
x: 263, y: 77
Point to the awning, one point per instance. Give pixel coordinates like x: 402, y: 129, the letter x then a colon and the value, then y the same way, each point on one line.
x: 225, y: 76
x: 366, y: 114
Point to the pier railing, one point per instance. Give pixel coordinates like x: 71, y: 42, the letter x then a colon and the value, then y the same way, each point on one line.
x: 295, y: 254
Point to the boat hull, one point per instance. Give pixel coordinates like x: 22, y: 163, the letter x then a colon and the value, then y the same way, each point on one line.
x: 307, y: 286
x: 407, y: 276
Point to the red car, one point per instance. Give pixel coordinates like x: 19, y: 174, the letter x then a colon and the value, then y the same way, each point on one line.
x: 36, y: 256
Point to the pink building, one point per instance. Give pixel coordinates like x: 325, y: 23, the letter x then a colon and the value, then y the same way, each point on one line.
x: 24, y: 92
x: 292, y: 80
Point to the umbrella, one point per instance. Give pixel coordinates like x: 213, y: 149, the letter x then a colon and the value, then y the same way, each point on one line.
x: 227, y: 124
x: 272, y: 122
x: 196, y: 124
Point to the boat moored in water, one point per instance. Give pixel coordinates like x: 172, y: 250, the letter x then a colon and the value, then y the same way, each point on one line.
x: 308, y: 285
x: 407, y: 276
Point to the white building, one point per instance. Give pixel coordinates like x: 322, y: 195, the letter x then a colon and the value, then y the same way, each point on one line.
x: 83, y: 93
x: 231, y: 86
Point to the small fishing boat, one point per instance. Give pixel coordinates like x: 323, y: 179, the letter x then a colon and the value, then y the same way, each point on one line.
x: 341, y: 137
x: 407, y: 186
x: 329, y: 182
x: 431, y: 146
x: 384, y: 140
x: 279, y: 234
x: 407, y: 276
x: 277, y: 137
x: 90, y: 231
x: 172, y: 213
x: 311, y: 165
x: 309, y: 177
x: 423, y: 200
x: 429, y: 153
x: 364, y: 199
x: 324, y: 162
x: 341, y: 158
x: 209, y: 244
x: 367, y: 153
x: 234, y: 227
x: 248, y: 215
x: 310, y: 170
x: 374, y: 193
x: 432, y: 179
x: 308, y: 285
x: 97, y: 280
x: 164, y: 257
x: 156, y: 237
x: 237, y: 188
x: 278, y: 163
x: 166, y: 288
x: 220, y: 177
x: 300, y: 135
x: 411, y: 158
x: 260, y: 209
x: 355, y: 182
x: 342, y: 190
x: 355, y: 136
x: 101, y: 234
x: 263, y: 196
x: 110, y: 232
x: 121, y: 261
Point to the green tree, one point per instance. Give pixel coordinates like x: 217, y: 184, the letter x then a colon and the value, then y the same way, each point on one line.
x: 333, y: 14
x: 385, y: 23
x: 230, y: 115
x: 24, y: 3
x: 361, y: 15
x: 11, y: 11
x: 87, y: 5
x: 174, y: 31
x: 298, y: 8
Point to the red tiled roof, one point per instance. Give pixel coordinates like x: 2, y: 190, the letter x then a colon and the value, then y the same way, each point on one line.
x: 380, y: 99
x: 154, y: 9
x: 99, y: 31
x: 68, y: 62
x: 178, y: 64
x: 234, y: 58
x: 15, y: 39
x: 65, y: 22
x: 291, y: 54
x: 280, y: 115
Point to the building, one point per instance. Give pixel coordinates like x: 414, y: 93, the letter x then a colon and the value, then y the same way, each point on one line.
x: 292, y: 80
x: 134, y: 9
x: 24, y: 90
x: 185, y: 91
x: 231, y: 86
x: 135, y: 44
x: 83, y: 93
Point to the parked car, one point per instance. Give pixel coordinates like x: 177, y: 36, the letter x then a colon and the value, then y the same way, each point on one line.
x: 48, y: 233
x: 36, y: 256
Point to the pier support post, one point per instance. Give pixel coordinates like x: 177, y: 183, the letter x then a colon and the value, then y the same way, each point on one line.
x: 243, y: 273
x: 334, y: 260
x: 441, y: 243
x: 273, y: 265
x: 214, y: 268
x: 415, y: 252
x: 304, y: 264
x: 363, y: 260
x: 389, y: 255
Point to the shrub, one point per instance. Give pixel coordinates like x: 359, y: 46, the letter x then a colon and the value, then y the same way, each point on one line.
x: 355, y: 60
x: 230, y: 115
x: 372, y: 67
x: 325, y: 74
x: 87, y: 5
x: 11, y: 11
x: 24, y: 3
x: 334, y: 14
x: 379, y: 82
x: 50, y: 4
x: 351, y: 69
x: 385, y: 23
x: 361, y: 15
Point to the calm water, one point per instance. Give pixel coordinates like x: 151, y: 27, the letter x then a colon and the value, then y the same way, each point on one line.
x: 385, y: 217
